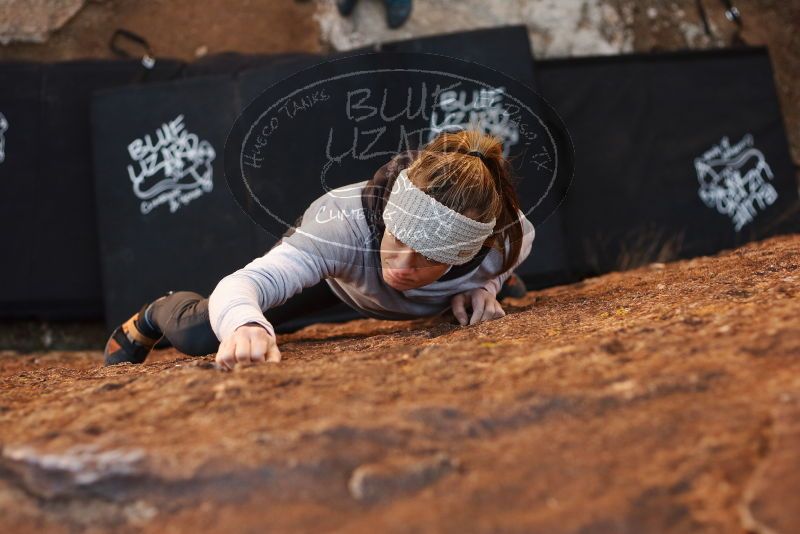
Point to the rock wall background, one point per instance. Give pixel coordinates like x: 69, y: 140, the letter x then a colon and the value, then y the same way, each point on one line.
x: 33, y: 20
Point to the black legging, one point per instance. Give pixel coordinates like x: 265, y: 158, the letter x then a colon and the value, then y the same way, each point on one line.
x: 183, y: 316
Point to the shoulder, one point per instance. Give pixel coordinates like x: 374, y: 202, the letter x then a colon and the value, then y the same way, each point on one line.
x: 528, y: 235
x: 528, y: 231
x: 494, y: 258
x: 339, y: 207
x: 345, y: 195
x: 334, y: 223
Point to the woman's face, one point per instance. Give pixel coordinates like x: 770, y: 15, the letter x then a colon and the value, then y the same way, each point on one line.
x: 404, y: 268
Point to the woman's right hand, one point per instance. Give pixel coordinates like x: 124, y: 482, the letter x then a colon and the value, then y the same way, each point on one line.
x: 250, y: 343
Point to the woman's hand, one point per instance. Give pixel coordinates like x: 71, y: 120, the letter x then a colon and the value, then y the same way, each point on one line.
x: 250, y: 343
x: 484, y: 306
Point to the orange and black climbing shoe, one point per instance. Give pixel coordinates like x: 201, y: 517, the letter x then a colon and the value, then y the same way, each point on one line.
x: 131, y: 341
x: 514, y: 287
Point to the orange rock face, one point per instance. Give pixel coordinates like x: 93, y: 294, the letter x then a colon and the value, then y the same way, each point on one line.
x: 665, y: 399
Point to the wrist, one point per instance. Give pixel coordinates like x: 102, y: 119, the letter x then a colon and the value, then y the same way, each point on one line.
x: 491, y: 288
x: 259, y: 324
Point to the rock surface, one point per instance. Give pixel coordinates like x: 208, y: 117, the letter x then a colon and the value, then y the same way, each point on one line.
x: 556, y: 27
x: 33, y: 20
x: 665, y: 399
x: 568, y: 28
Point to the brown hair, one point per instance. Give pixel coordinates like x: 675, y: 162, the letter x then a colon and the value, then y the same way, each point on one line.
x: 478, y: 187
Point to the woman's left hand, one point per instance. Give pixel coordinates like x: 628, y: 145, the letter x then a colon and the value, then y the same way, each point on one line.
x: 484, y: 306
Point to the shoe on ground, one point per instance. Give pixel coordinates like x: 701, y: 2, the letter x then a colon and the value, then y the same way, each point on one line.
x: 128, y: 342
x: 345, y: 7
x: 513, y: 287
x: 397, y: 12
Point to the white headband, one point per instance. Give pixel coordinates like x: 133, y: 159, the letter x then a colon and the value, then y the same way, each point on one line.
x: 431, y: 228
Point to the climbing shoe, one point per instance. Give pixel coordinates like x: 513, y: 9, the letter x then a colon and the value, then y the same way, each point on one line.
x: 131, y: 341
x: 397, y: 12
x: 345, y: 7
x: 513, y: 287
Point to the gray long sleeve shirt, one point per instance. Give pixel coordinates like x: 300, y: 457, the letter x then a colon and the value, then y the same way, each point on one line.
x: 332, y: 244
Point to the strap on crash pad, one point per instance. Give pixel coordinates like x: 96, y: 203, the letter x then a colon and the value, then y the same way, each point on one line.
x: 147, y: 59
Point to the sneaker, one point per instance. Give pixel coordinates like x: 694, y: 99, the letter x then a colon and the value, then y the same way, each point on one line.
x: 345, y: 7
x: 397, y: 12
x: 513, y: 287
x: 131, y: 341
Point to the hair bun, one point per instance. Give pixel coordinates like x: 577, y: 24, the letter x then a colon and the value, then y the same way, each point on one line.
x: 478, y: 154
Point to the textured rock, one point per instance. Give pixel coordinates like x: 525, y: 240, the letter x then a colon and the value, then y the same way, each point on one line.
x: 765, y: 508
x: 375, y: 482
x: 662, y: 399
x: 33, y: 20
x: 556, y: 27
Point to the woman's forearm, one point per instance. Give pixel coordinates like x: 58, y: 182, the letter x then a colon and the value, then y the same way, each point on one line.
x: 236, y: 301
x: 264, y: 283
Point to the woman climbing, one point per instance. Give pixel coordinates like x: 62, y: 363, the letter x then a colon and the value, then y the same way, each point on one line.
x: 435, y: 229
